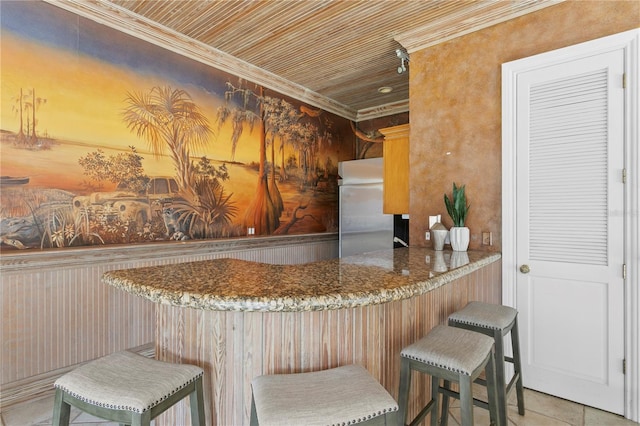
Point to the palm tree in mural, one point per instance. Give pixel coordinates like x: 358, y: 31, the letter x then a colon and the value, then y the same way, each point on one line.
x: 168, y: 118
x: 275, y: 119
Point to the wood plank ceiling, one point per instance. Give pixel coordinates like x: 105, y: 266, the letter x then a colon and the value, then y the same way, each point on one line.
x: 340, y: 50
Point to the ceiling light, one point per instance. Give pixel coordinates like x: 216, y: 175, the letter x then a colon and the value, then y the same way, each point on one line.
x: 385, y: 89
x: 404, y: 60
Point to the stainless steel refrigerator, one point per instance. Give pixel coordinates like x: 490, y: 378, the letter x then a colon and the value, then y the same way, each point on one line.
x: 363, y: 226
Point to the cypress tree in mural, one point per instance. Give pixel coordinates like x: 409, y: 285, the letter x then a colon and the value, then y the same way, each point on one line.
x: 277, y: 120
x: 28, y: 103
x: 168, y: 118
x: 282, y: 119
x: 263, y: 213
x: 33, y: 104
x: 303, y: 141
x: 18, y: 109
x: 312, y: 133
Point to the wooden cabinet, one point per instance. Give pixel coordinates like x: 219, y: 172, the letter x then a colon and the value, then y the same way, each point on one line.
x: 395, y: 152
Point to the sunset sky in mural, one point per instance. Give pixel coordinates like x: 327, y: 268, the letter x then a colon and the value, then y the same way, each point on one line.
x: 85, y: 76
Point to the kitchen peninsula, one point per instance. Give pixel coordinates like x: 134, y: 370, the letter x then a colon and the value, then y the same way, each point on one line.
x: 239, y: 319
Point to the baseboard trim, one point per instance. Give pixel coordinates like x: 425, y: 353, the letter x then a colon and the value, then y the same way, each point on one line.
x: 41, y: 385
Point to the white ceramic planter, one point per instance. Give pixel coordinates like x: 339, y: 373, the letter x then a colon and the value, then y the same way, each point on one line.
x: 459, y: 237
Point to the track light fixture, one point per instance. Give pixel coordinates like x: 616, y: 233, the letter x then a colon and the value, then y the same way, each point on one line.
x: 404, y: 60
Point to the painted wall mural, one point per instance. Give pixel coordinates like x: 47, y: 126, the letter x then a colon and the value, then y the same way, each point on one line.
x: 108, y: 139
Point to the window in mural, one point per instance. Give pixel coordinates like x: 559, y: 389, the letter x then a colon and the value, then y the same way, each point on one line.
x: 107, y: 139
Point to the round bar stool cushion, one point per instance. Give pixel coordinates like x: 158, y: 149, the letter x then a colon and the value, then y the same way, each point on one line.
x: 339, y: 396
x: 452, y: 349
x: 485, y: 315
x: 127, y: 381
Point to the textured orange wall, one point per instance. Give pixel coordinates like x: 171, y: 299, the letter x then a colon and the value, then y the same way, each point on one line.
x: 455, y: 107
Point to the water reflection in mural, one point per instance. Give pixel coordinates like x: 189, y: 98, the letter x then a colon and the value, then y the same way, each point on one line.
x: 106, y: 139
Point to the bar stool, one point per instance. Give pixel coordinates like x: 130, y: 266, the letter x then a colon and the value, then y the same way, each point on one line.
x: 454, y: 355
x: 338, y: 396
x: 495, y: 321
x: 128, y: 388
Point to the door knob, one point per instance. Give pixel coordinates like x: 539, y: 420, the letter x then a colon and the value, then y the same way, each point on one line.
x: 525, y: 269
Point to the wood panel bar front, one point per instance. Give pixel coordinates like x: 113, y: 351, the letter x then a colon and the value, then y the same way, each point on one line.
x: 234, y: 347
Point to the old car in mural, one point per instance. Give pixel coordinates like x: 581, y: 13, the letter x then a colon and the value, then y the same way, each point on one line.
x: 128, y: 206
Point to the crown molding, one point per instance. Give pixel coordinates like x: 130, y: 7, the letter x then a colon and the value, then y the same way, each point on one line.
x: 383, y: 110
x: 481, y: 15
x: 118, y: 18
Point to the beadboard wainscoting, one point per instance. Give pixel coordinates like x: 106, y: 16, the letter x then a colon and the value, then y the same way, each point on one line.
x: 57, y: 314
x: 234, y: 347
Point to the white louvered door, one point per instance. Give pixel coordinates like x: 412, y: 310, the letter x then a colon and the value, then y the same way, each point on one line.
x: 570, y: 229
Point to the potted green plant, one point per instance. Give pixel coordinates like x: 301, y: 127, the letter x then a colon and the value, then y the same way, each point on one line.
x: 458, y: 209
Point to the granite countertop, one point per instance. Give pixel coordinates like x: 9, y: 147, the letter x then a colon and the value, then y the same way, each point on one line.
x: 240, y: 285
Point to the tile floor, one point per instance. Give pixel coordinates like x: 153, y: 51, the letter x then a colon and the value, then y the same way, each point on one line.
x: 541, y: 410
